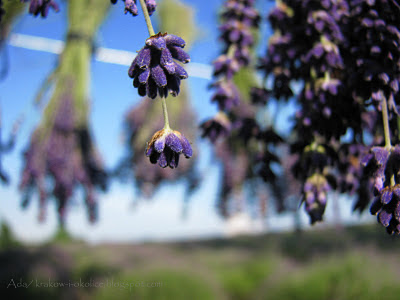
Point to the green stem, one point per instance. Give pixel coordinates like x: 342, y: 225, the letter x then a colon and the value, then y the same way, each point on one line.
x: 147, y: 18
x: 231, y: 51
x: 165, y: 112
x: 386, y: 130
x: 151, y: 32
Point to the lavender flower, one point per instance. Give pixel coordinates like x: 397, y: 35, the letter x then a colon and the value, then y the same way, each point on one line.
x: 151, y: 6
x: 131, y: 7
x: 376, y: 161
x: 141, y: 119
x: 387, y: 208
x: 242, y: 11
x: 41, y: 7
x: 226, y: 65
x: 165, y: 147
x: 315, y: 195
x: 154, y: 70
x: 226, y: 95
x: 218, y: 126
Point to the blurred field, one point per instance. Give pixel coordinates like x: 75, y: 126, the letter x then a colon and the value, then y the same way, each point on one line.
x: 352, y: 263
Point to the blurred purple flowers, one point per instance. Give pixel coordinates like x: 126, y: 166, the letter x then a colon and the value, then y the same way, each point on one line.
x: 63, y: 153
x: 41, y: 7
x: 239, y: 19
x: 154, y: 70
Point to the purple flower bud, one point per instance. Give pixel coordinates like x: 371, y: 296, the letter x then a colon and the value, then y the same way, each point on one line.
x: 130, y: 6
x: 151, y: 6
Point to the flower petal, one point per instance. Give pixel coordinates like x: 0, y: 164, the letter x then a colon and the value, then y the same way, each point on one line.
x: 180, y: 71
x: 156, y: 42
x: 143, y: 58
x: 173, y: 40
x: 167, y: 62
x: 174, y: 143
x: 159, y: 144
x: 179, y: 54
x: 174, y: 161
x: 144, y: 76
x: 162, y: 160
x: 186, y: 147
x: 157, y: 73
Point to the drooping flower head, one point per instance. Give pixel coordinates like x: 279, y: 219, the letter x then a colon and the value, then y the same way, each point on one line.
x: 154, y: 70
x: 165, y: 147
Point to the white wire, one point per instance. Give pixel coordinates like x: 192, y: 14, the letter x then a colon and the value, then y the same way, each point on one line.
x: 106, y: 55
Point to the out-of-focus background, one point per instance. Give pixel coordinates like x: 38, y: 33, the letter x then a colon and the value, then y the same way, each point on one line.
x: 172, y: 244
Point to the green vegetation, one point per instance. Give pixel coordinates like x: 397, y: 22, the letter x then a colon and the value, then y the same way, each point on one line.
x: 353, y: 263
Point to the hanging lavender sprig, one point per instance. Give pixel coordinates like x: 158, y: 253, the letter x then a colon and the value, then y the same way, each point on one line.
x: 61, y: 149
x: 156, y: 73
x: 243, y: 146
x: 143, y: 119
x: 239, y: 19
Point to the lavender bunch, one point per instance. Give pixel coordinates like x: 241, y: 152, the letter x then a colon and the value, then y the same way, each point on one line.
x: 61, y: 157
x: 310, y: 44
x: 65, y: 153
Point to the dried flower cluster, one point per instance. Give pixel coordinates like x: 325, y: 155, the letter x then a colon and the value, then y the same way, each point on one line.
x: 154, y: 70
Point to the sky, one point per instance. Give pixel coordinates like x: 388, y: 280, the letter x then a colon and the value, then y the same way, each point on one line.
x: 122, y: 218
